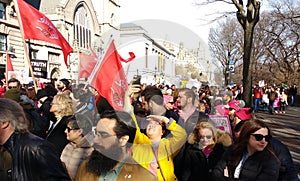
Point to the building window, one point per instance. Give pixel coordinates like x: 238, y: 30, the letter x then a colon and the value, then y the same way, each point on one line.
x: 2, y: 42
x: 82, y: 30
x: 53, y: 57
x: 2, y: 11
x: 34, y: 54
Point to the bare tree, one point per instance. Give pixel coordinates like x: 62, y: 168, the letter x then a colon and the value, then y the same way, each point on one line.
x: 283, y: 46
x: 247, y: 15
x: 225, y: 44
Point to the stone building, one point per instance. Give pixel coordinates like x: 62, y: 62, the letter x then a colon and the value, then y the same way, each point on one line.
x: 84, y: 24
x: 154, y: 62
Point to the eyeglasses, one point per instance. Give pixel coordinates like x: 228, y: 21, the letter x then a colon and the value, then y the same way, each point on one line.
x: 102, y: 134
x: 208, y: 137
x: 69, y: 129
x: 11, y: 87
x: 259, y: 137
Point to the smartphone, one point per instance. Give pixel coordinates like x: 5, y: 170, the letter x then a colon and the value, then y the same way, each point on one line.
x: 137, y: 81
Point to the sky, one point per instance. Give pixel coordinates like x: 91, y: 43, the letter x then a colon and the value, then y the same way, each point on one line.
x: 180, y: 12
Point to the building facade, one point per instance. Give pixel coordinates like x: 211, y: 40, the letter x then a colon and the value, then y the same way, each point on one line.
x: 85, y: 25
x: 154, y: 62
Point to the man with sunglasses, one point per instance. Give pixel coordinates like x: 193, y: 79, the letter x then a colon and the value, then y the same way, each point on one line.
x: 111, y: 159
x: 13, y: 83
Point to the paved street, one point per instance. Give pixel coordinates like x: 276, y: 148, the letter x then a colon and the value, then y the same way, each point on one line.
x: 286, y: 127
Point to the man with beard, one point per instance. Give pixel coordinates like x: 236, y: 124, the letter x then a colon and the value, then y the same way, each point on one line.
x: 188, y: 117
x: 153, y: 103
x: 111, y: 160
x: 63, y: 85
x: 188, y: 113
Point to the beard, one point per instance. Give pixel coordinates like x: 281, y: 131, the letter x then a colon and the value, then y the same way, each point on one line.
x: 101, y: 162
x: 60, y: 87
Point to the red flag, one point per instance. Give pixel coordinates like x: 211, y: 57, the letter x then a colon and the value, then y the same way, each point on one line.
x: 132, y: 56
x: 9, y: 66
x: 37, y: 26
x: 110, y: 80
x: 87, y: 64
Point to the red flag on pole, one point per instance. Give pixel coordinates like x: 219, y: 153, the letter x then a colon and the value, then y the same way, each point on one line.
x: 37, y: 26
x: 87, y: 64
x: 9, y: 66
x: 110, y: 80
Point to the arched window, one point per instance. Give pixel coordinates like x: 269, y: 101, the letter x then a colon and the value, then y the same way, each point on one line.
x: 82, y: 28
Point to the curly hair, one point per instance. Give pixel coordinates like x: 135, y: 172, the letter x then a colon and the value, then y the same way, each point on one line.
x: 65, y: 104
x: 201, y: 125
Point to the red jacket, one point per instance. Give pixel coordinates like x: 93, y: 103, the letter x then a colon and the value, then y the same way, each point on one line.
x: 257, y: 92
x: 2, y: 91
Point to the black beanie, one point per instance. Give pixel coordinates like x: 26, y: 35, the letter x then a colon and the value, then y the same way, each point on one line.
x: 65, y: 81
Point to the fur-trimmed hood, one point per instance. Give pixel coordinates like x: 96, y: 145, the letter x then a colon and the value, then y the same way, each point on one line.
x: 222, y: 138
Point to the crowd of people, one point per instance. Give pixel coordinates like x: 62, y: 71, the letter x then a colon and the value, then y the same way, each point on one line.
x: 274, y: 99
x: 66, y: 131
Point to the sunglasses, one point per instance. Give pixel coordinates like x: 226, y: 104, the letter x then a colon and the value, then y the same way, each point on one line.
x: 208, y: 137
x: 11, y: 87
x: 259, y: 137
x: 69, y: 129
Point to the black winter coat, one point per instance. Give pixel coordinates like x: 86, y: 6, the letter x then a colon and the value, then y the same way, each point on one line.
x: 287, y: 168
x: 57, y: 135
x: 195, y: 164
x: 261, y: 166
x: 34, y: 159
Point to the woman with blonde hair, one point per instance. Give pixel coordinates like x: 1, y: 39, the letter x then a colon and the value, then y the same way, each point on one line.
x: 62, y: 107
x: 204, y: 149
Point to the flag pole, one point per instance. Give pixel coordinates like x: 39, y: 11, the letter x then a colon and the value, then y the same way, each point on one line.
x: 24, y: 43
x: 99, y: 62
x: 6, y: 71
x: 78, y: 76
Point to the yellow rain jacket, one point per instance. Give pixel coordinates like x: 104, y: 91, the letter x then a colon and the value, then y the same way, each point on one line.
x: 167, y: 149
